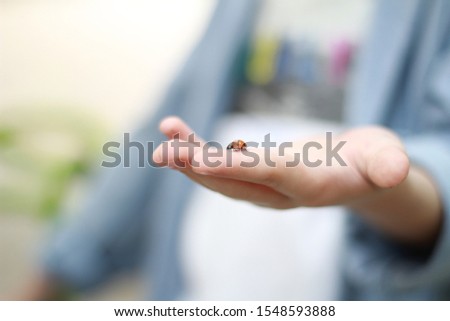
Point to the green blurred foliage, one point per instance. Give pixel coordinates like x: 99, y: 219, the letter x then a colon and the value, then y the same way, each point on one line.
x: 43, y: 151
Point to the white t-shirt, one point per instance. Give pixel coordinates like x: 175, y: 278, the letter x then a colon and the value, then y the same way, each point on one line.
x: 234, y: 250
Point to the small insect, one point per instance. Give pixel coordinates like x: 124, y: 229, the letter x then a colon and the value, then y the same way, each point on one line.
x: 237, y: 145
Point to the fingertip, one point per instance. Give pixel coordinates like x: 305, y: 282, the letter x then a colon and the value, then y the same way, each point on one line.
x: 169, y: 124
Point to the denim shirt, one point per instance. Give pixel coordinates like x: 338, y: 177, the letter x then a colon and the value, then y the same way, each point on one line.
x: 132, y: 217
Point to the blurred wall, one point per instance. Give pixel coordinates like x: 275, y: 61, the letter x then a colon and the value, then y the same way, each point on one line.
x: 112, y: 57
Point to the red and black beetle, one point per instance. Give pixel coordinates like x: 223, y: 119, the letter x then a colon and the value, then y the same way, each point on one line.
x: 237, y: 145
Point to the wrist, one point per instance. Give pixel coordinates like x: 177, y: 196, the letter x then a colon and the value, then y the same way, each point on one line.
x: 410, y: 212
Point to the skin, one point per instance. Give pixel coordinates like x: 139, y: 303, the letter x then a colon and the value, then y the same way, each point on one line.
x: 379, y: 182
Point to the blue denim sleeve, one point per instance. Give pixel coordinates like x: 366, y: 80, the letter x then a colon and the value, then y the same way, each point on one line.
x: 107, y: 233
x: 378, y: 268
x: 129, y: 214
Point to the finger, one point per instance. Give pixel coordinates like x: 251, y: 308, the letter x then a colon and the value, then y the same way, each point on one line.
x: 381, y: 158
x: 175, y: 153
x: 253, y: 165
x: 260, y: 195
x: 388, y: 167
x: 175, y: 128
x: 180, y: 158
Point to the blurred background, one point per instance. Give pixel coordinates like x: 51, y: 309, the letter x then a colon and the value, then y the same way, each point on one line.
x: 76, y: 73
x: 72, y: 75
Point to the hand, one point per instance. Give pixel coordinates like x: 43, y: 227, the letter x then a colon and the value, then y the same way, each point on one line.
x: 374, y: 156
x: 378, y: 182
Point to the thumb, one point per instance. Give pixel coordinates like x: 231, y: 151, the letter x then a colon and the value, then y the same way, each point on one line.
x: 388, y: 166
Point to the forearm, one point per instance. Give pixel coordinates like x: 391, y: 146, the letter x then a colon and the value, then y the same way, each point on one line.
x: 410, y: 212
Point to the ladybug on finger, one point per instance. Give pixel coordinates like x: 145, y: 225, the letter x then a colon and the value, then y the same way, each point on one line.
x: 237, y: 145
